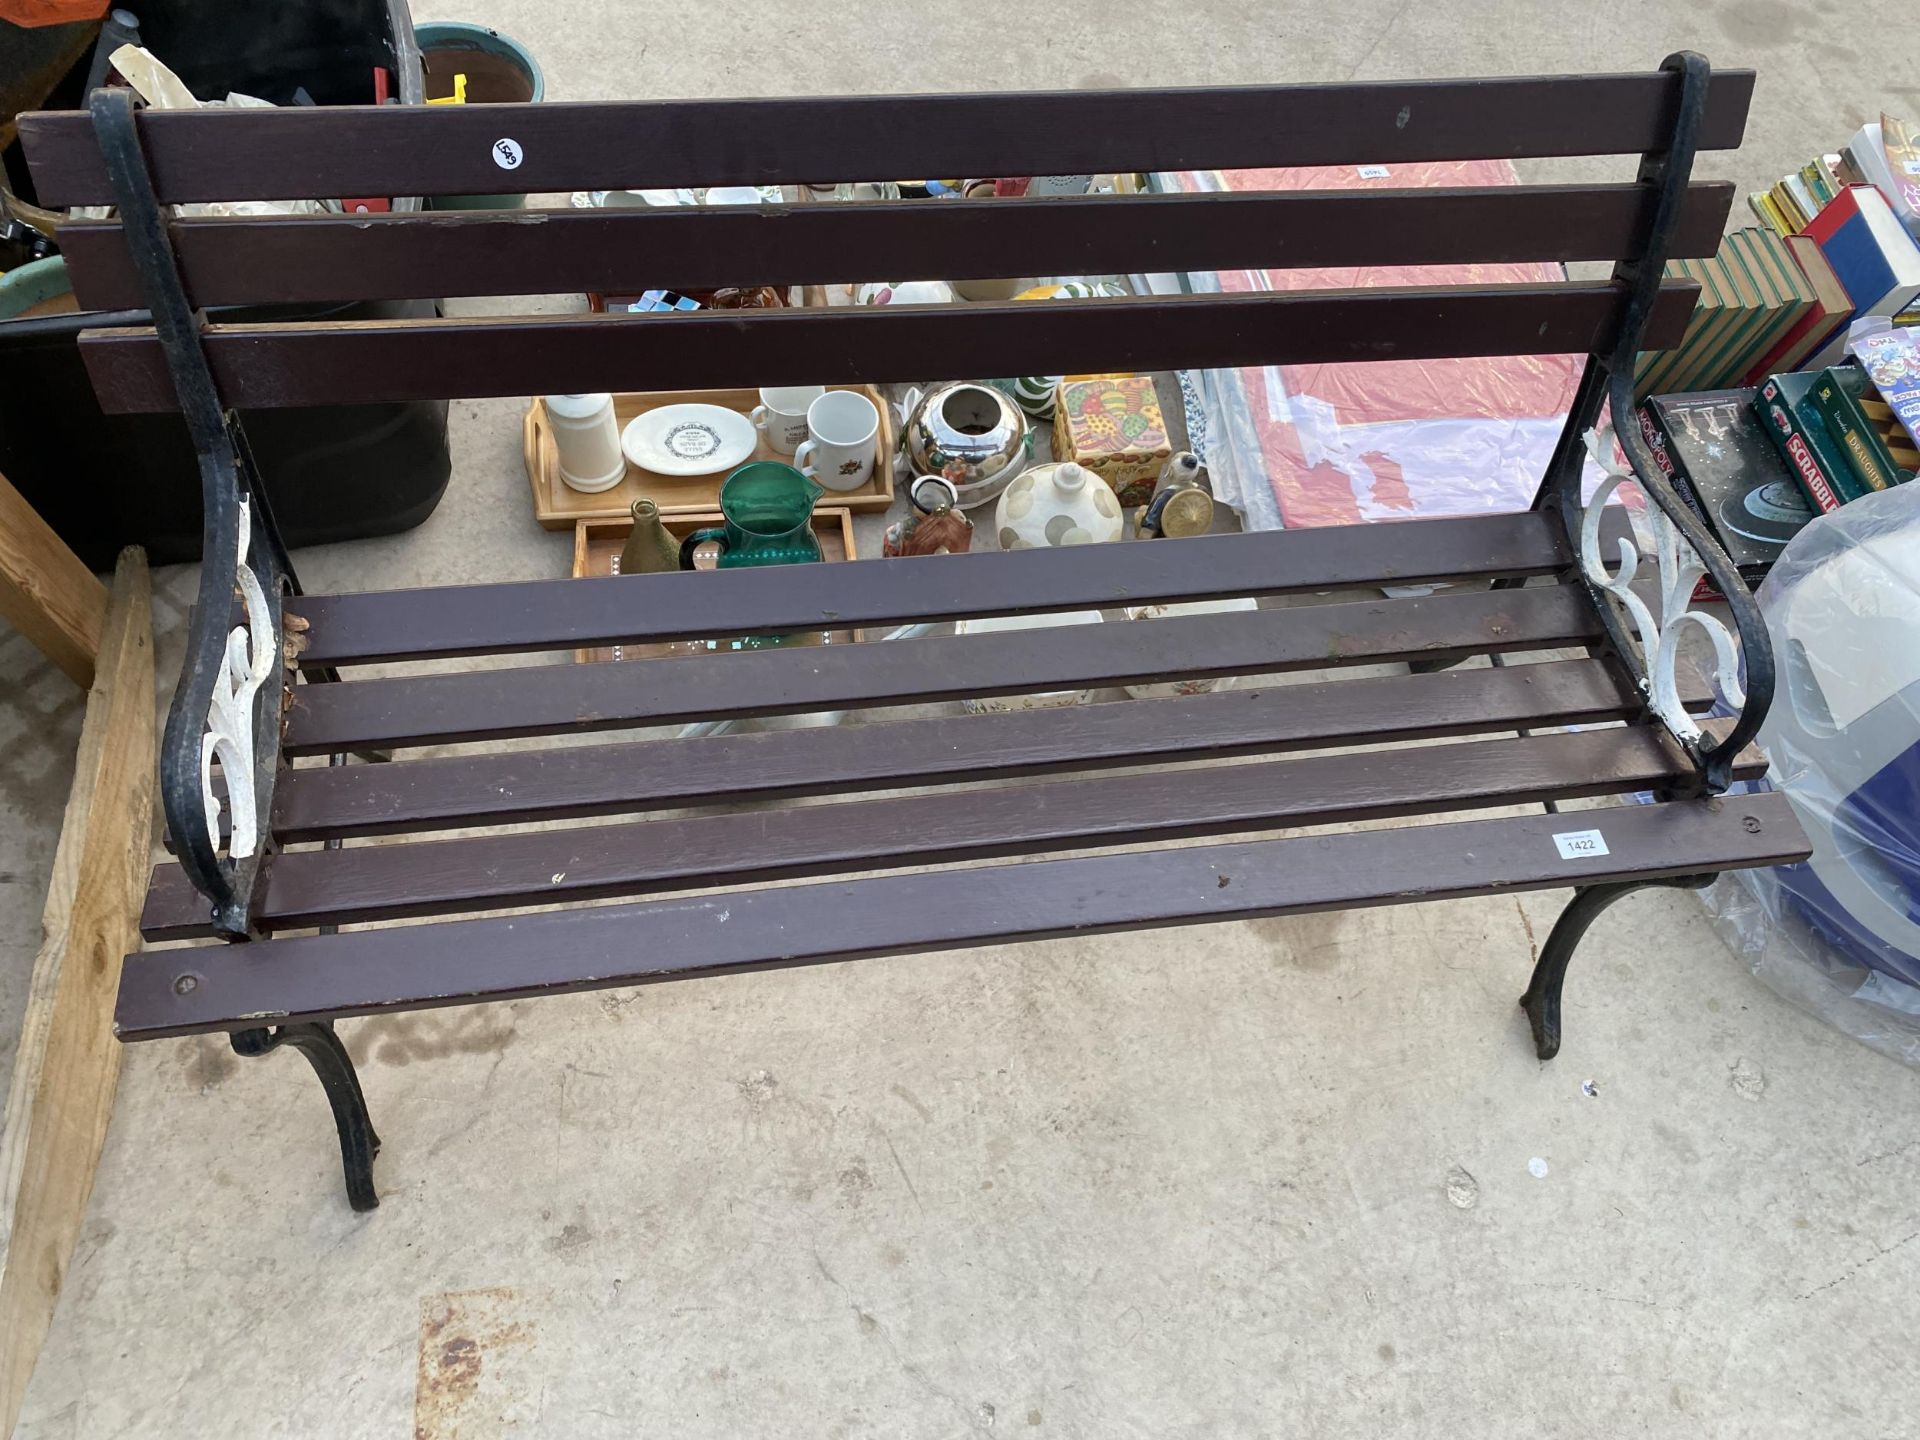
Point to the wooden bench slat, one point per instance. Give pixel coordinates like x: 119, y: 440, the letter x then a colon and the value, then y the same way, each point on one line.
x: 444, y: 877
x: 344, y: 259
x: 400, y: 625
x: 180, y: 992
x: 548, y: 699
x: 268, y: 366
x: 221, y: 154
x: 572, y: 781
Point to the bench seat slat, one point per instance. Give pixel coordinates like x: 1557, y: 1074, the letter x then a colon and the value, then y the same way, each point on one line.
x: 501, y: 958
x: 399, y: 625
x: 563, y: 782
x: 303, y: 363
x: 345, y: 259
x: 220, y: 154
x: 443, y: 877
x: 549, y: 699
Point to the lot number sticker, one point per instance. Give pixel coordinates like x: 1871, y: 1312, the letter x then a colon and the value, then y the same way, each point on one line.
x: 506, y: 154
x: 1580, y: 844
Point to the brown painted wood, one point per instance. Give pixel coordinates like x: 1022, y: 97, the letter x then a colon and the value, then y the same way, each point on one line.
x: 520, y: 252
x: 362, y: 362
x: 398, y: 625
x: 574, y: 781
x: 416, y: 150
x: 368, y: 972
x: 549, y: 699
x: 576, y: 863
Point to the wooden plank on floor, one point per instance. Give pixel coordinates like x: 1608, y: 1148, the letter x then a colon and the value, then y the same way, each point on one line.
x: 64, y: 1074
x: 45, y: 592
x: 415, y: 967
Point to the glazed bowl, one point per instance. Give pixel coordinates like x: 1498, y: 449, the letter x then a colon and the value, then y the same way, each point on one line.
x: 972, y: 434
x: 999, y: 624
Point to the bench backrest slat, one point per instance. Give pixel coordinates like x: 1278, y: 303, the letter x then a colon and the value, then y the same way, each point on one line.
x: 328, y: 152
x: 338, y: 259
x: 361, y: 362
x: 411, y: 150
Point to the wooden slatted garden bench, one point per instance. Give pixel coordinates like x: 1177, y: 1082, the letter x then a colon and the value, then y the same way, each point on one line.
x: 925, y: 845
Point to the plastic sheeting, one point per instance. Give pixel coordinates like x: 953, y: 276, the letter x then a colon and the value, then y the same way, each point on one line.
x: 1840, y: 934
x: 1302, y: 445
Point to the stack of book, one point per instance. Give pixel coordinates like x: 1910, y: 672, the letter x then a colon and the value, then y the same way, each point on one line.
x: 1790, y: 205
x: 1754, y: 296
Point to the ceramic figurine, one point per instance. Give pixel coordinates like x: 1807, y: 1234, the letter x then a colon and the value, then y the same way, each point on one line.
x: 1063, y: 504
x: 938, y: 527
x: 972, y: 435
x: 649, y: 549
x: 1181, y: 504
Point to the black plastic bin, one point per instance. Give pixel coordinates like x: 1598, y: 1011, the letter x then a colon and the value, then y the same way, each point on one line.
x: 338, y: 473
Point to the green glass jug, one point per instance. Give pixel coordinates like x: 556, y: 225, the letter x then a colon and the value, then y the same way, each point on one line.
x: 769, y: 510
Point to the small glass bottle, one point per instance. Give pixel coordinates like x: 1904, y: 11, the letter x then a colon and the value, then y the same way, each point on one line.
x: 649, y: 549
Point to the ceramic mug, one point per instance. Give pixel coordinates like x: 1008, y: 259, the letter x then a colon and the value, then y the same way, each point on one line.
x: 782, y: 414
x: 838, y: 451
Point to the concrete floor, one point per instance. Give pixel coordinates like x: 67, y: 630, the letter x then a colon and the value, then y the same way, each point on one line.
x: 1294, y: 1177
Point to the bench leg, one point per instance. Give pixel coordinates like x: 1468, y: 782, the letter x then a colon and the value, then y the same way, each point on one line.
x: 1542, y: 1000
x: 330, y: 1061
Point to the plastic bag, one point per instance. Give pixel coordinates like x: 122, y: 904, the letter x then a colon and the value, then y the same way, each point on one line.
x: 1840, y: 934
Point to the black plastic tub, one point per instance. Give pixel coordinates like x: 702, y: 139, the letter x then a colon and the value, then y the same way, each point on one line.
x: 340, y: 473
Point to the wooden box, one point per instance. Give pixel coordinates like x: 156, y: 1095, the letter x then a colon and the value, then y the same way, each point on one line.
x: 557, y: 506
x: 596, y: 551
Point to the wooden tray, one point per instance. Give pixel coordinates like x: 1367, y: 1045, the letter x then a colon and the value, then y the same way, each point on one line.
x: 596, y: 549
x: 558, y: 507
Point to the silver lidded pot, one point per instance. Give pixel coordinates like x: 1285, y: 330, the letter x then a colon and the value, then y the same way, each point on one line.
x: 971, y: 434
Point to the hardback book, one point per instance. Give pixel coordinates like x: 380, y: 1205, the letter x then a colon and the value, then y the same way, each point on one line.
x: 1825, y: 320
x: 1713, y: 448
x: 1871, y: 252
x: 1800, y: 436
x: 1784, y: 294
x: 1673, y: 369
x: 1836, y: 395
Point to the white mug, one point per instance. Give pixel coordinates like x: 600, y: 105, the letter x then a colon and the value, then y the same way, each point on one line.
x: 838, y: 453
x: 782, y: 414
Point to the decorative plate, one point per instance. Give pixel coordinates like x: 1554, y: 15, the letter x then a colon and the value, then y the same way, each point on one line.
x: 689, y: 439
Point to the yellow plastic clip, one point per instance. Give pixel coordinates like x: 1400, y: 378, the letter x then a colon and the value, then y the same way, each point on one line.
x: 459, y: 95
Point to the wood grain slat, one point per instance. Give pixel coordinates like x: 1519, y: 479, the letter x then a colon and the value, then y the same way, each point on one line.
x: 550, y: 699
x: 268, y: 366
x: 573, y: 781
x: 328, y: 259
x: 400, y: 625
x: 224, y: 154
x: 443, y: 877
x: 369, y: 972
